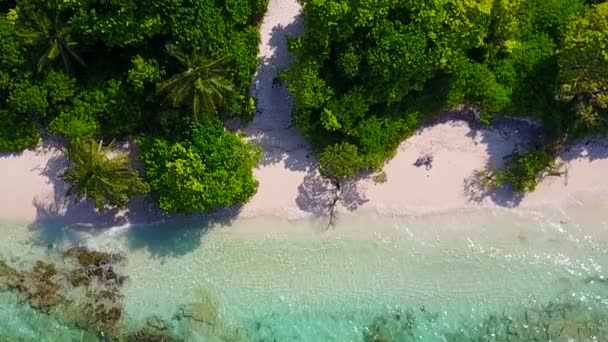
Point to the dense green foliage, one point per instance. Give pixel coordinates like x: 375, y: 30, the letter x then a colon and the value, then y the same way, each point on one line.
x: 369, y: 72
x: 89, y: 69
x: 203, y: 84
x: 583, y: 64
x: 340, y: 162
x: 210, y: 168
x: 93, y: 174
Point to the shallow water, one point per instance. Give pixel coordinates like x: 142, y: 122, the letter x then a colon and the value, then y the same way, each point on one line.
x: 518, y: 275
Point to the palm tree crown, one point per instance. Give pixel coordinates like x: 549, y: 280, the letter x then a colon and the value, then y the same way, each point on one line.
x: 93, y: 175
x: 204, y: 83
x: 56, y: 37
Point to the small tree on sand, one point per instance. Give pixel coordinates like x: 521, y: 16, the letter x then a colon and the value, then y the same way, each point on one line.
x: 339, y: 163
x: 92, y: 174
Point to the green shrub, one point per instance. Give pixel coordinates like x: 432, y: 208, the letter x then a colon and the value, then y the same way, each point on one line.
x: 368, y: 72
x: 143, y: 72
x: 522, y: 171
x: 340, y: 162
x: 28, y: 98
x: 210, y: 169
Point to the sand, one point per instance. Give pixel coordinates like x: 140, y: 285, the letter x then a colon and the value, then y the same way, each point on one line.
x: 289, y: 185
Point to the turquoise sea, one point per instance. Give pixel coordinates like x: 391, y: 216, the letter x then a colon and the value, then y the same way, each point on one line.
x: 459, y: 276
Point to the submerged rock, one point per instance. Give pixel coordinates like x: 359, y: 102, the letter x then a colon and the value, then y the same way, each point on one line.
x: 39, y: 287
x: 393, y: 327
x: 146, y: 335
x: 97, y: 309
x: 8, y: 276
x: 78, y: 277
x: 88, y: 258
x: 205, y: 310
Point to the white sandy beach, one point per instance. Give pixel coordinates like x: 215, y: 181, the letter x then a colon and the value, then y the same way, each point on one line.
x: 288, y: 183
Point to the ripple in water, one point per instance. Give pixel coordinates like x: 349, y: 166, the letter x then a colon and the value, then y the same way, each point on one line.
x: 459, y: 277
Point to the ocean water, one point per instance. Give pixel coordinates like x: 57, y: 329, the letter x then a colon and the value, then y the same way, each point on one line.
x: 461, y: 276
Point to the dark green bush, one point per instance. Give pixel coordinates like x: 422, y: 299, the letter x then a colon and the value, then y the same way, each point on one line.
x: 16, y: 134
x: 522, y: 171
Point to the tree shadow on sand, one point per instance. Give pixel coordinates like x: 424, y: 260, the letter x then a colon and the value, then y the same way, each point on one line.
x: 271, y: 127
x: 60, y: 221
x: 502, y: 138
x: 589, y: 149
x: 318, y: 196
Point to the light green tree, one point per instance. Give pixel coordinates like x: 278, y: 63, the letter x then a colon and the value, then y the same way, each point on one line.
x: 583, y: 63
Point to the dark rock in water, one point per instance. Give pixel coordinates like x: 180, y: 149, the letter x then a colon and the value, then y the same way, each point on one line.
x: 98, y: 308
x: 101, y: 336
x: 88, y: 258
x: 145, y: 335
x: 199, y: 312
x: 39, y: 287
x: 8, y: 275
x: 177, y: 316
x: 78, y: 277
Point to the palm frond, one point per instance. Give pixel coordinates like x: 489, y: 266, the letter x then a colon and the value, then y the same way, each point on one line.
x: 93, y: 175
x: 176, y: 53
x: 204, y: 83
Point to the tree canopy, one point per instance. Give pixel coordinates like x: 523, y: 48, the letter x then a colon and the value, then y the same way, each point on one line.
x: 89, y: 69
x: 209, y: 169
x: 109, y: 181
x: 368, y: 73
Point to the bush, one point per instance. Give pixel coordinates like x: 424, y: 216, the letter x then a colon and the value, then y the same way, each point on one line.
x: 28, y: 99
x: 107, y: 110
x: 522, y: 171
x: 340, y: 162
x: 368, y: 72
x: 210, y: 169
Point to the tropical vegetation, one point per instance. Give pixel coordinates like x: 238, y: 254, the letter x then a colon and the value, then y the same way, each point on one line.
x: 193, y: 174
x: 93, y: 173
x: 368, y: 73
x: 93, y: 71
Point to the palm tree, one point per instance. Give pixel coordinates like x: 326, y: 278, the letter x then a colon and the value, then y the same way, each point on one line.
x: 204, y: 82
x: 92, y: 174
x: 56, y: 38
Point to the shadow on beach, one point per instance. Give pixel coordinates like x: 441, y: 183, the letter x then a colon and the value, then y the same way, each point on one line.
x: 61, y: 221
x: 271, y: 127
x: 176, y: 236
x: 316, y: 195
x: 502, y: 138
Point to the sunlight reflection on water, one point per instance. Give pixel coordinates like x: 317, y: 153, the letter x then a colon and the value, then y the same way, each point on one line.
x: 429, y: 277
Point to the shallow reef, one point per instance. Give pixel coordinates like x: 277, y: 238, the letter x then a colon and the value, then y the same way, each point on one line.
x: 39, y: 287
x: 559, y: 320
